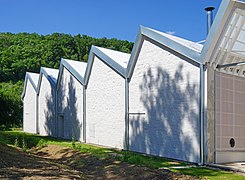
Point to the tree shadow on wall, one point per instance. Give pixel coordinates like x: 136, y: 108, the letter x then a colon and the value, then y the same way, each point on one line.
x: 50, y: 114
x: 170, y: 126
x: 68, y: 120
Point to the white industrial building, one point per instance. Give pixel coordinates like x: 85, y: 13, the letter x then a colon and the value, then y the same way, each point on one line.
x: 71, y: 99
x: 171, y: 97
x: 29, y: 98
x: 46, y: 91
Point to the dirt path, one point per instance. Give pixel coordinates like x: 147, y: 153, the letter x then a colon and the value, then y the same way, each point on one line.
x: 56, y: 162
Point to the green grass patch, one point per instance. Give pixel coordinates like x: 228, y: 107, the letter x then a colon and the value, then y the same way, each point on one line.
x: 30, y: 140
x: 149, y: 161
x: 206, y: 173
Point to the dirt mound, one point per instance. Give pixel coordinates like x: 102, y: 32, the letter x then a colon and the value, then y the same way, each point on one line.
x: 103, y: 168
x: 15, y: 164
x: 56, y: 162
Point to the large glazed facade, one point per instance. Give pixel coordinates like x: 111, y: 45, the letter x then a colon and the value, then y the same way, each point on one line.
x: 47, y: 102
x: 29, y: 98
x: 70, y: 91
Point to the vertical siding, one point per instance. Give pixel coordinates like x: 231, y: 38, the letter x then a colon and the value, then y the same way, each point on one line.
x: 29, y: 114
x: 46, y: 120
x: 105, y: 114
x: 164, y: 105
x: 70, y: 98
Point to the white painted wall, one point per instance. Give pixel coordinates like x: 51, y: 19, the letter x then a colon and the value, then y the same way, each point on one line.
x: 46, y: 118
x: 164, y: 91
x: 29, y: 111
x: 70, y: 106
x: 105, y: 114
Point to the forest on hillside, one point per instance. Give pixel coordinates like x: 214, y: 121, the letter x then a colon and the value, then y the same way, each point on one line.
x: 28, y: 52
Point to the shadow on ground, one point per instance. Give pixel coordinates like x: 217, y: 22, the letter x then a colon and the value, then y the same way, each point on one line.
x: 92, y: 167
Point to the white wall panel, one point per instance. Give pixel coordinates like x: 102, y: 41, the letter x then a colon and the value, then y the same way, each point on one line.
x: 29, y: 112
x: 70, y: 107
x: 46, y: 118
x: 105, y: 106
x: 164, y: 105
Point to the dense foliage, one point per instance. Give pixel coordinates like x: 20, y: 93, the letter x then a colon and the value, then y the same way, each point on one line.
x: 28, y: 52
x: 10, y: 104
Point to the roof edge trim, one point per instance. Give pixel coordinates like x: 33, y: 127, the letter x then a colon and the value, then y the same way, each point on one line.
x: 95, y: 51
x: 28, y: 77
x: 65, y: 64
x: 44, y: 73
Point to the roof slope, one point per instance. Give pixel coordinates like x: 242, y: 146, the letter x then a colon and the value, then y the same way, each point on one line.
x: 76, y: 68
x: 189, y: 44
x: 119, y: 57
x: 33, y: 78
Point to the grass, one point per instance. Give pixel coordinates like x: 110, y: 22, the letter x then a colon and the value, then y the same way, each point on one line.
x: 206, y: 173
x: 30, y: 140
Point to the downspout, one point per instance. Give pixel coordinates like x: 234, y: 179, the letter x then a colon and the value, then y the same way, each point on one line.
x: 203, y: 95
x: 37, y: 112
x: 126, y: 136
x: 84, y: 114
x: 56, y: 111
x: 201, y: 114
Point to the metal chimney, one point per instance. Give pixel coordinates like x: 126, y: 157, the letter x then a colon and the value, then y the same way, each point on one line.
x: 209, y: 11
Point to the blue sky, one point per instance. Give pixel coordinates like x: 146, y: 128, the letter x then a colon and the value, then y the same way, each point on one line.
x: 106, y: 18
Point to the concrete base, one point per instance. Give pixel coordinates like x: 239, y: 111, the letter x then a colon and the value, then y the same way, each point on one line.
x: 226, y: 157
x: 236, y: 167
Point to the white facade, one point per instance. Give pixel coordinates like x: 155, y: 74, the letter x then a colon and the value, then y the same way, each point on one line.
x: 164, y: 105
x: 47, y: 102
x: 29, y: 97
x: 70, y: 101
x: 105, y: 103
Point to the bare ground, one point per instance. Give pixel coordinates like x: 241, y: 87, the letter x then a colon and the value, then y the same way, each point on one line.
x: 56, y: 162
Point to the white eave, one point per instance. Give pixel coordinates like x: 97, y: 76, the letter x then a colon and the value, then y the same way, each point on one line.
x: 50, y: 74
x: 76, y: 68
x: 33, y: 78
x: 225, y: 45
x: 116, y: 60
x: 188, y: 49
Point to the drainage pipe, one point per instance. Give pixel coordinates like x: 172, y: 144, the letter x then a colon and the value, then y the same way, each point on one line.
x: 201, y: 114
